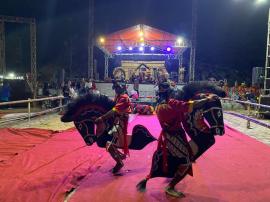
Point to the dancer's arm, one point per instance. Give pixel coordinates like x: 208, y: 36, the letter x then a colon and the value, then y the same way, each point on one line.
x: 201, y: 102
x: 108, y: 115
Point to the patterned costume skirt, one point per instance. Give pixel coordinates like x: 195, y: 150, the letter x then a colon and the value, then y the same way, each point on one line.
x: 177, y: 154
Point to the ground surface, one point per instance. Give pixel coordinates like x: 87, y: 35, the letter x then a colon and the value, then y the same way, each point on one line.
x: 45, y: 167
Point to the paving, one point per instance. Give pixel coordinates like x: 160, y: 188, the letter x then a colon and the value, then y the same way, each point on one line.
x: 256, y: 131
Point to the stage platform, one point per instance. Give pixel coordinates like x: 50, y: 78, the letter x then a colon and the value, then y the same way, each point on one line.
x: 44, y: 165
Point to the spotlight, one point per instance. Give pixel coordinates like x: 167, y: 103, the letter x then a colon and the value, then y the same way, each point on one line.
x: 180, y: 40
x: 258, y: 2
x: 142, y: 44
x: 101, y: 40
x: 141, y: 48
x: 11, y: 75
x: 130, y: 48
x: 119, y: 48
x: 152, y: 48
x: 169, y: 49
x: 141, y: 34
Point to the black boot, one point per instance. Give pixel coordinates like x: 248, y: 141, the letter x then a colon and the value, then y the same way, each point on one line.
x: 141, y: 186
x: 117, y: 167
x: 118, y: 157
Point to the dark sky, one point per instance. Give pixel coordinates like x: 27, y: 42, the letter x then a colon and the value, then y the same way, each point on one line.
x: 231, y: 33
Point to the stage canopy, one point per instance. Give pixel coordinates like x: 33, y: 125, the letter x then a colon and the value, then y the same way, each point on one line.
x: 142, y: 39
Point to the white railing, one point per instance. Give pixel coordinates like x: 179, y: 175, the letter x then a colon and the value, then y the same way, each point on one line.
x: 248, y: 117
x: 28, y: 115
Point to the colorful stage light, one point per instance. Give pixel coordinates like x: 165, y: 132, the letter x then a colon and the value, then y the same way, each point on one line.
x: 130, y: 48
x: 141, y: 48
x: 152, y: 48
x: 119, y: 48
x: 142, y: 44
x: 169, y: 49
x: 102, y: 40
x: 180, y: 40
x: 141, y: 34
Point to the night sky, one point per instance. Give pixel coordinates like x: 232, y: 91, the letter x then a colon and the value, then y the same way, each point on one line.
x: 231, y: 33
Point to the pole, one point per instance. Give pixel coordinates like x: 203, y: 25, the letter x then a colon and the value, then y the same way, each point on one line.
x: 29, y: 110
x: 91, y: 40
x: 33, y: 42
x: 193, y: 41
x: 2, y: 47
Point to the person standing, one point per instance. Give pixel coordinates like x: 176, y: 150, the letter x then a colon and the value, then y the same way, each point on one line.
x: 5, y: 92
x: 120, y: 114
x: 173, y: 157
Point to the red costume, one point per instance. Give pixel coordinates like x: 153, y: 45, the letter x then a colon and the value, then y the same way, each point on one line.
x: 122, y: 109
x: 119, y: 114
x: 172, y: 140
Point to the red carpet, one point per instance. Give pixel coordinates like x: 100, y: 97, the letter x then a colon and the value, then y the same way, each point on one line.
x: 235, y: 169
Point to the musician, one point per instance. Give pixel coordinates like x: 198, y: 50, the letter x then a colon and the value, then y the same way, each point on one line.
x: 120, y: 114
x: 173, y: 157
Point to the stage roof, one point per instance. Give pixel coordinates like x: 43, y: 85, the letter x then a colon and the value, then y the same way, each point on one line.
x: 140, y: 39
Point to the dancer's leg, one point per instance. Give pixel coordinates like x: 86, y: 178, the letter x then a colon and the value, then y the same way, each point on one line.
x: 116, y: 155
x: 180, y: 174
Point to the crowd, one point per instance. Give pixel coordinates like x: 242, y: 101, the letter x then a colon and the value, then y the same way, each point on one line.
x: 73, y: 89
x: 243, y: 93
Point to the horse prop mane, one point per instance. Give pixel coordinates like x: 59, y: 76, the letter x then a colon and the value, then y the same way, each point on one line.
x: 85, y: 110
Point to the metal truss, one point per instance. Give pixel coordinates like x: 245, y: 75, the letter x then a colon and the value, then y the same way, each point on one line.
x: 33, y: 41
x: 267, y: 62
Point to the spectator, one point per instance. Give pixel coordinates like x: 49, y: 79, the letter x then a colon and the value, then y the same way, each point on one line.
x: 134, y: 95
x: 88, y: 85
x: 46, y: 91
x: 5, y: 92
x: 72, y: 92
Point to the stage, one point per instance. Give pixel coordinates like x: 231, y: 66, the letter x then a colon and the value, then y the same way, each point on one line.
x: 44, y: 165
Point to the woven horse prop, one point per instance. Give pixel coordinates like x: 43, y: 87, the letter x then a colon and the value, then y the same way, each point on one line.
x: 84, y: 111
x: 201, y: 125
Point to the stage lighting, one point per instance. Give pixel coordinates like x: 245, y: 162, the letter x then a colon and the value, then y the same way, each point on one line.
x: 141, y: 34
x: 101, y: 40
x: 152, y: 48
x: 259, y: 2
x: 141, y: 39
x: 180, y: 40
x: 11, y: 75
x: 130, y: 48
x: 141, y: 48
x: 169, y: 49
x: 119, y: 48
x: 142, y: 44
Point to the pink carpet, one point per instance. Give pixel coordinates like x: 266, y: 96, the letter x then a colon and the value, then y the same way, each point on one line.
x: 236, y: 169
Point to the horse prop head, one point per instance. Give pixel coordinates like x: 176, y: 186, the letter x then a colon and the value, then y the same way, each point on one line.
x: 84, y: 111
x: 213, y: 114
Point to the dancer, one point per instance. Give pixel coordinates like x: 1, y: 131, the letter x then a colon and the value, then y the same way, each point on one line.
x: 173, y: 157
x: 120, y: 114
x: 108, y: 131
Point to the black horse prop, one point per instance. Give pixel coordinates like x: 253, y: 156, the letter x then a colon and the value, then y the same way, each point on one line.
x: 86, y: 109
x: 202, y: 135
x: 201, y: 125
